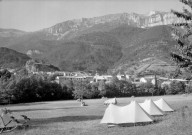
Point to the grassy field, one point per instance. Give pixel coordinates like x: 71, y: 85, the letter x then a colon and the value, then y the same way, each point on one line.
x: 69, y: 118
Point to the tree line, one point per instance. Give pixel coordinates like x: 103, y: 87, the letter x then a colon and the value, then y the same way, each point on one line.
x: 23, y: 88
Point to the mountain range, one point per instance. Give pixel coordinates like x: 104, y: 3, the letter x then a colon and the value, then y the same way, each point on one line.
x: 108, y: 43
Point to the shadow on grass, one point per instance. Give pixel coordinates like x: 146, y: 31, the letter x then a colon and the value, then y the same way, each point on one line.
x: 128, y: 124
x: 43, y: 123
x: 43, y: 109
x: 64, y: 119
x: 23, y: 104
x: 157, y: 120
x: 134, y: 124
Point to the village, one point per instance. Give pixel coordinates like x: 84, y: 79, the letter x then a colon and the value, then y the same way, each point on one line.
x: 62, y: 77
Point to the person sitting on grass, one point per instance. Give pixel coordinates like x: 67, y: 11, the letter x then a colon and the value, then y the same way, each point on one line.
x: 83, y: 103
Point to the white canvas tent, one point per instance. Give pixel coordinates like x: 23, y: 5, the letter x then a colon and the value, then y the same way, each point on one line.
x: 163, y: 105
x: 132, y: 113
x: 110, y: 101
x: 150, y: 107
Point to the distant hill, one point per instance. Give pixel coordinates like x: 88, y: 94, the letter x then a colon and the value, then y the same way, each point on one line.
x: 112, y: 42
x: 7, y: 35
x: 12, y: 59
x: 10, y: 32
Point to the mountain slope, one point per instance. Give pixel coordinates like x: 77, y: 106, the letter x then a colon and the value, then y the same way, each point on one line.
x: 155, y: 44
x: 102, y: 48
x: 93, y: 51
x: 12, y: 59
x: 101, y: 43
x: 155, y: 41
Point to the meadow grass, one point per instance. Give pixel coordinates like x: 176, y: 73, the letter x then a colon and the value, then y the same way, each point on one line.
x: 69, y: 118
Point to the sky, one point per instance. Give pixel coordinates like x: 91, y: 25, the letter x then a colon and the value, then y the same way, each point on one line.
x: 32, y: 15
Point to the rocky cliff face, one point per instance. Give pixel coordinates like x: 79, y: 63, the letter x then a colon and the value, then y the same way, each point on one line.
x: 31, y: 66
x: 161, y: 18
x: 154, y: 18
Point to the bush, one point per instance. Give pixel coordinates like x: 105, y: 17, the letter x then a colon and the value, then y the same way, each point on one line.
x: 83, y: 89
x: 67, y: 92
x: 120, y: 88
x: 112, y: 90
x: 188, y: 88
x: 34, y: 89
x: 145, y: 89
x: 176, y: 88
x: 126, y: 88
x: 26, y: 90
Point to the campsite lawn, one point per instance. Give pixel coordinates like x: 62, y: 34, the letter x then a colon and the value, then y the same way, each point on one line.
x: 69, y: 118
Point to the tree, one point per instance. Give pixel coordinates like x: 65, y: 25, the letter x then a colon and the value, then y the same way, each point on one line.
x: 175, y: 74
x: 68, y: 89
x: 181, y: 32
x: 7, y: 84
x: 81, y: 89
x: 147, y: 88
x: 94, y: 89
x: 102, y: 88
x: 5, y: 74
x: 112, y: 90
x: 188, y: 88
x: 126, y: 88
x: 26, y: 90
x: 176, y: 88
x: 152, y: 90
x: 156, y: 86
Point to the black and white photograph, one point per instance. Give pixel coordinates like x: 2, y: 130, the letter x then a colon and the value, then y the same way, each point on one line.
x: 96, y: 67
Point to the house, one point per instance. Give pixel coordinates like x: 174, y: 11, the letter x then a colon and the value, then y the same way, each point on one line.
x: 50, y: 73
x: 143, y: 80
x: 63, y: 79
x: 149, y: 79
x: 129, y: 77
x: 63, y: 73
x: 165, y: 83
x: 136, y: 80
x: 121, y: 76
x: 179, y: 80
x: 98, y: 78
x: 153, y: 81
